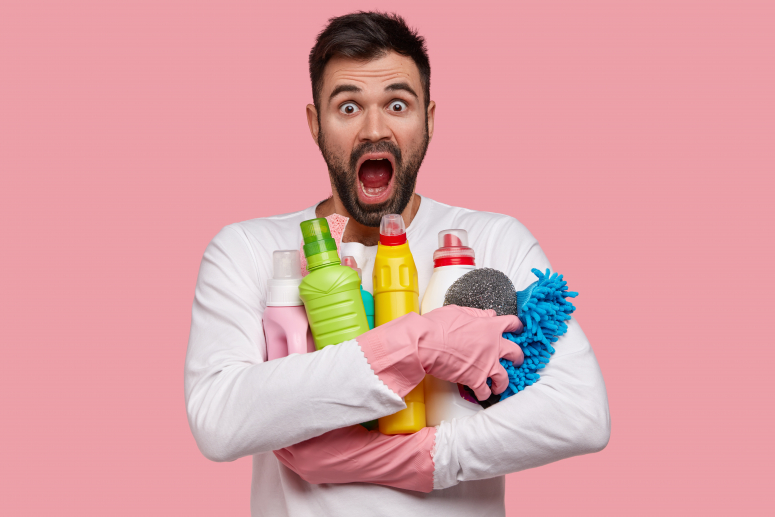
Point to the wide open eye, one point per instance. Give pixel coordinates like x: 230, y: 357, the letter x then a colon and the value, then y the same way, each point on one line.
x: 349, y: 108
x: 398, y: 106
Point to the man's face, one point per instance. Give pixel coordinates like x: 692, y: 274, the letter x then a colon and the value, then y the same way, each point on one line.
x: 373, y: 133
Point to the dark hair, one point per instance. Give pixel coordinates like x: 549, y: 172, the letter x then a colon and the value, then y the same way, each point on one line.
x: 367, y: 35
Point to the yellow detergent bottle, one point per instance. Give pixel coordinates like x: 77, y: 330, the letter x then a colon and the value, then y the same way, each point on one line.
x: 396, y: 292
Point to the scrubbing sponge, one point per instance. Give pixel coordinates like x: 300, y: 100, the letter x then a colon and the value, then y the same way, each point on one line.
x: 542, y: 308
x: 484, y: 289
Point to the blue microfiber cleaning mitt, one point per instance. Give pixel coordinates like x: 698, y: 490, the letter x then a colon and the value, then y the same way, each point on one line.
x: 543, y: 310
x: 541, y: 307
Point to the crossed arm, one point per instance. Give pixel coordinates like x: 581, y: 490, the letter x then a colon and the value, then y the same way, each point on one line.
x: 239, y: 405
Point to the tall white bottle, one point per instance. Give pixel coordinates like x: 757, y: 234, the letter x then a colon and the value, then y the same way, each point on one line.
x: 447, y: 400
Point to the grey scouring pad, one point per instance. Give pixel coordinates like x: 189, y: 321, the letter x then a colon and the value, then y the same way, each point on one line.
x: 484, y: 289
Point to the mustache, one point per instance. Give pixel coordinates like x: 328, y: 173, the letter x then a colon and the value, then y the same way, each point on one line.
x: 379, y: 147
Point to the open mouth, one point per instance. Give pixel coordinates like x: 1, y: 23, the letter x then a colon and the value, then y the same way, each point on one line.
x: 375, y: 177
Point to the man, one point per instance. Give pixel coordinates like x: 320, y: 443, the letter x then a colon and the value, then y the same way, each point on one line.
x: 372, y: 119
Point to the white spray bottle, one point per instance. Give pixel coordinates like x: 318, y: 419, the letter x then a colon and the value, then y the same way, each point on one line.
x: 447, y: 400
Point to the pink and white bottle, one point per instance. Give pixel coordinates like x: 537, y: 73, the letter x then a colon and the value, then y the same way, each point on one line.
x: 285, y: 321
x: 447, y: 400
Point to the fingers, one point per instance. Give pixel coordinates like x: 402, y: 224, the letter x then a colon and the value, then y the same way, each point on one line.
x: 482, y: 391
x: 511, y: 351
x: 500, y: 379
x: 509, y: 323
x: 285, y: 457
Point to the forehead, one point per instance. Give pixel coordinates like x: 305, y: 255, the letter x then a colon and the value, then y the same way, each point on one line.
x: 371, y: 74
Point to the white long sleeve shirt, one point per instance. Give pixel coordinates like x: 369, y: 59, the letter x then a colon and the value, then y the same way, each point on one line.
x: 239, y: 404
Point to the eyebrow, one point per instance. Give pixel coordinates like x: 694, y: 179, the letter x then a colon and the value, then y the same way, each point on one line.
x: 342, y: 88
x: 401, y: 86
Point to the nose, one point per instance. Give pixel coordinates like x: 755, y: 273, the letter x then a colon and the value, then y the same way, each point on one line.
x: 375, y: 126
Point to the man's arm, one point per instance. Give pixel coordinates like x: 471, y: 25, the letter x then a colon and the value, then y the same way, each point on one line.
x: 237, y: 403
x: 564, y: 414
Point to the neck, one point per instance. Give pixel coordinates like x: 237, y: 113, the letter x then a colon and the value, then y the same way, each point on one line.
x: 355, y: 231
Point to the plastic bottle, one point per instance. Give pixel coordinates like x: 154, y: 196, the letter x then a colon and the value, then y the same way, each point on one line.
x: 453, y: 259
x: 397, y: 292
x: 331, y: 292
x: 285, y: 320
x: 368, y: 299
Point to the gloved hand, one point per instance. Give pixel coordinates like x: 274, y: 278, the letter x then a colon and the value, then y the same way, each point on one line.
x: 456, y: 344
x: 353, y: 454
x: 470, y: 348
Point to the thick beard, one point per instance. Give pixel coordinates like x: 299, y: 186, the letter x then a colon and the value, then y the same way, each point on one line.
x: 344, y: 177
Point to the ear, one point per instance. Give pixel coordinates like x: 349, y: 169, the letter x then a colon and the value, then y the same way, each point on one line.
x: 312, y: 122
x: 431, y: 115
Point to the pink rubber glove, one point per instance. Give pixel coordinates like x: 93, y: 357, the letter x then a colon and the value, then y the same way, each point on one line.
x: 456, y: 344
x: 353, y: 454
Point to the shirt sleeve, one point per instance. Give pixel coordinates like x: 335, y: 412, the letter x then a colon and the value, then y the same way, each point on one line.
x: 238, y: 404
x: 564, y: 414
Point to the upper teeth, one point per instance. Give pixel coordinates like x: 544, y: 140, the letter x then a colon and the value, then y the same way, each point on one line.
x: 376, y: 158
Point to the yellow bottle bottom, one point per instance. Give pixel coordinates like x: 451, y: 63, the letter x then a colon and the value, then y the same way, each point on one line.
x: 409, y: 420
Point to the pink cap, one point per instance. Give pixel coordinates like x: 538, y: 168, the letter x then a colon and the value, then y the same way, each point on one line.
x: 353, y: 264
x: 453, y: 249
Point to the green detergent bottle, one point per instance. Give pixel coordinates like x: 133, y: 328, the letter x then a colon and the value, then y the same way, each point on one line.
x: 331, y: 292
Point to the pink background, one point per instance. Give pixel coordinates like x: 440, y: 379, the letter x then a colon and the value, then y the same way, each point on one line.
x: 635, y: 139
